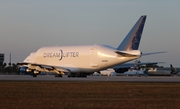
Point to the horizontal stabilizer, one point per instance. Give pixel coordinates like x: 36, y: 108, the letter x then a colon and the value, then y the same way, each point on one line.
x: 145, y: 54
x: 129, y: 54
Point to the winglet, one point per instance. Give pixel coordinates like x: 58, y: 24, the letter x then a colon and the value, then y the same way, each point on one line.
x: 132, y: 40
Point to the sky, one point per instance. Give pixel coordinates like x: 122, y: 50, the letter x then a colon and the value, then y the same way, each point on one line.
x: 27, y: 25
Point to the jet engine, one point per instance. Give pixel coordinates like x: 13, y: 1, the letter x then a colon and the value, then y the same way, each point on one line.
x: 25, y: 70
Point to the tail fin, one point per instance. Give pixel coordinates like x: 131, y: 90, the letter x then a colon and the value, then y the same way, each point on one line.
x: 172, y: 69
x: 132, y: 40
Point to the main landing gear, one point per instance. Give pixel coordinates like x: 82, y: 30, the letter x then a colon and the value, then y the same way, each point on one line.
x: 34, y: 75
x: 58, y: 75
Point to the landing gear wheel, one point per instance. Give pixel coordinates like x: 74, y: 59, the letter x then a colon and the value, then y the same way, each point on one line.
x: 82, y: 75
x: 58, y: 75
x: 72, y: 75
x: 34, y: 75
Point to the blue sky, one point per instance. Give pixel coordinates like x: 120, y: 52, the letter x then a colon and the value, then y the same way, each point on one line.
x: 27, y: 25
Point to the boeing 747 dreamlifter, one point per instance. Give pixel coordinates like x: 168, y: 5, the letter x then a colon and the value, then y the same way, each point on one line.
x: 84, y: 60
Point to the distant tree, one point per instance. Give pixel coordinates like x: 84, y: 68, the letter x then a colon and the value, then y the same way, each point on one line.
x: 3, y: 67
x: 1, y: 63
x: 11, y: 68
x: 7, y: 69
x: 15, y: 68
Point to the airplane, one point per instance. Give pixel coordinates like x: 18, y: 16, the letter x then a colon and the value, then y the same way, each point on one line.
x: 126, y: 66
x: 119, y: 70
x: 174, y: 71
x: 134, y: 72
x: 163, y: 71
x: 84, y: 60
x: 108, y: 72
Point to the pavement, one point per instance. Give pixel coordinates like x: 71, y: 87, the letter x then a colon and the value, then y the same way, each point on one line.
x: 91, y: 78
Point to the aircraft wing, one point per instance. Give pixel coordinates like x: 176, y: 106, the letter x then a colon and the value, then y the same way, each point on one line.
x: 148, y: 63
x: 128, y: 65
x: 47, y: 67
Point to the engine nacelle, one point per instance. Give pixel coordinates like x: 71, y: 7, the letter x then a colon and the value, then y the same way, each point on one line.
x: 25, y: 70
x: 36, y: 72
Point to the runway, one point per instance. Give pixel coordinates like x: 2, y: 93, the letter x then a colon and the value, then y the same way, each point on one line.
x: 91, y: 78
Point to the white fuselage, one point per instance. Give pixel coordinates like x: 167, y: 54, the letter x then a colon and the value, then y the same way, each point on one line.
x: 80, y: 58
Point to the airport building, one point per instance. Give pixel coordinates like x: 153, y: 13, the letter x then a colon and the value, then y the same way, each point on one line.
x: 1, y: 58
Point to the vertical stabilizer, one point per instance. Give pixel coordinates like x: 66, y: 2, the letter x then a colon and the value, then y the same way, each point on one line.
x: 132, y: 40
